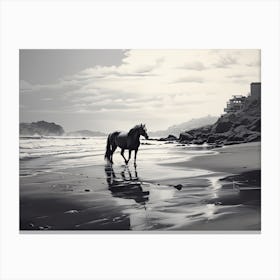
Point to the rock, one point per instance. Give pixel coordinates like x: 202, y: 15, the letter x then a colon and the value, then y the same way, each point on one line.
x: 87, y: 190
x: 233, y: 142
x: 245, y: 121
x: 256, y: 125
x: 198, y: 141
x: 235, y: 138
x: 211, y: 139
x: 223, y: 127
x: 219, y: 145
x: 186, y: 137
x: 254, y: 138
x: 231, y: 128
x: 178, y: 187
x: 169, y: 138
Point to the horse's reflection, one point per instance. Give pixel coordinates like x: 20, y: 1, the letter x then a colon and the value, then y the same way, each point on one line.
x: 125, y: 184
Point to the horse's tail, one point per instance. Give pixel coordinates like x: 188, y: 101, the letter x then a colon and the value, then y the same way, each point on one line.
x: 108, y: 149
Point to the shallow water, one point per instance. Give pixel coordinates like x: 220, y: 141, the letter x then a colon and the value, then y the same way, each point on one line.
x: 56, y: 153
x: 66, y: 184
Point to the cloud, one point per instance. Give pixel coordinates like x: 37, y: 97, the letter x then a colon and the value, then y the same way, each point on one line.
x: 225, y: 61
x: 164, y: 87
x: 194, y: 65
x: 189, y: 80
x: 236, y: 76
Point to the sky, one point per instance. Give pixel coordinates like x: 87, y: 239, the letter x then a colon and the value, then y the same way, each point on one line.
x: 107, y: 90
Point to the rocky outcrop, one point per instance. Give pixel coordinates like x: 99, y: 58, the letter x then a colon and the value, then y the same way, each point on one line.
x: 185, y: 136
x: 233, y: 128
x: 169, y: 138
x: 41, y: 128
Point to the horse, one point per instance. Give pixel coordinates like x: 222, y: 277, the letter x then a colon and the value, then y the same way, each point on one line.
x: 126, y: 141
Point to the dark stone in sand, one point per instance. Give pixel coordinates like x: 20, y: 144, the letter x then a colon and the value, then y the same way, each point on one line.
x: 87, y: 190
x: 178, y: 187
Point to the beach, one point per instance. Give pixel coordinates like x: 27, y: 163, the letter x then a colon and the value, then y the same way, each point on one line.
x: 233, y: 159
x: 65, y: 184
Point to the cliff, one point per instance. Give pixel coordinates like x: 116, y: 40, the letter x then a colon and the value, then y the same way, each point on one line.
x: 231, y: 128
x: 41, y: 128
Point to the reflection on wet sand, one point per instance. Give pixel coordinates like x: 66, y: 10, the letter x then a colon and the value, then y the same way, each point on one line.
x: 126, y: 184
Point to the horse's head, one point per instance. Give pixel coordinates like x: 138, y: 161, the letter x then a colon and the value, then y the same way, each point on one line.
x: 143, y: 131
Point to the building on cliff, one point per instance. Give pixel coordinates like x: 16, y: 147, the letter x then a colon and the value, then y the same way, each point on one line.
x: 235, y: 103
x: 255, y: 91
x: 238, y: 101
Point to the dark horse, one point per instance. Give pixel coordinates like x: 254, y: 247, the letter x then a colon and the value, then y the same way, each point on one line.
x: 126, y: 141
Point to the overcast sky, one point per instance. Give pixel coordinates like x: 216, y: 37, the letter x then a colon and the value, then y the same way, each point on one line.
x: 106, y: 90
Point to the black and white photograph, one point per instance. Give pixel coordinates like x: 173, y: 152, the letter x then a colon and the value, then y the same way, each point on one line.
x: 140, y: 140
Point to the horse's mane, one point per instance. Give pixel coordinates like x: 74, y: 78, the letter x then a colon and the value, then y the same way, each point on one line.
x: 132, y: 130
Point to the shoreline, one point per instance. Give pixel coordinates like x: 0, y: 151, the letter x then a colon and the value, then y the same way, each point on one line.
x: 233, y: 159
x: 100, y: 197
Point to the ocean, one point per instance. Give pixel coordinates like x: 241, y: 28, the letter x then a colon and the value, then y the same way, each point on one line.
x: 45, y: 154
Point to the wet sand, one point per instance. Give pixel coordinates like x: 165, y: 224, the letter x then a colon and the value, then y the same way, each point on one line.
x: 150, y: 196
x: 230, y: 159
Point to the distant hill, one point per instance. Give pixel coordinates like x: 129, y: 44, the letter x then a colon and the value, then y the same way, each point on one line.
x: 177, y: 129
x: 85, y: 133
x: 41, y: 128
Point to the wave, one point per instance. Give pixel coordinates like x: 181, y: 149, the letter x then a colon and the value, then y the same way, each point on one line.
x: 26, y: 156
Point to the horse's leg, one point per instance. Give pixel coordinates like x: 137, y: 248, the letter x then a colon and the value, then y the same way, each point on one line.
x: 129, y: 174
x: 135, y: 155
x: 129, y: 156
x: 122, y: 153
x: 112, y: 151
x: 135, y: 172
